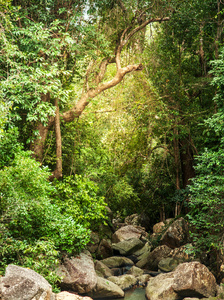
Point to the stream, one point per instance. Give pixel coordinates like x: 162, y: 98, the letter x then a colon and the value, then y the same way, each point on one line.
x: 136, y: 294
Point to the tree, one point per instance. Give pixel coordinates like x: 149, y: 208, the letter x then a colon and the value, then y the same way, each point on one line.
x: 178, y: 65
x: 207, y: 193
x: 61, y: 54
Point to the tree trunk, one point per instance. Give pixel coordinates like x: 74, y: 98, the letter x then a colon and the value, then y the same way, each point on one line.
x: 38, y: 145
x: 186, y: 158
x: 58, y: 170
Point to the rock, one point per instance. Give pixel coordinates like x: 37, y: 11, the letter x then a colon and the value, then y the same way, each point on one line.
x: 70, y: 296
x: 117, y: 271
x: 104, y: 250
x: 181, y: 253
x: 143, y: 279
x: 143, y: 251
x: 161, y: 287
x: 94, y: 242
x: 102, y: 269
x: 220, y: 291
x: 176, y: 235
x: 106, y: 231
x: 125, y: 281
x: 78, y: 273
x: 168, y: 264
x: 138, y: 220
x: 128, y: 247
x: 24, y: 284
x: 117, y: 262
x: 188, y: 298
x: 158, y: 227
x: 128, y: 232
x: 151, y: 260
x: 135, y: 271
x: 195, y: 280
x: 105, y: 288
x: 188, y: 280
x: 134, y: 219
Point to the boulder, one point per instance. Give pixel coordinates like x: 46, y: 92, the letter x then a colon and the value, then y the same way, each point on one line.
x: 161, y: 287
x: 188, y: 280
x: 117, y: 262
x: 104, y: 250
x: 128, y: 247
x: 168, y: 264
x: 105, y: 288
x: 138, y: 220
x: 195, y: 280
x: 24, y: 284
x: 70, y: 296
x: 143, y: 251
x: 125, y: 281
x: 188, y: 298
x: 135, y: 271
x: 94, y: 242
x: 128, y: 232
x: 158, y: 227
x: 176, y: 235
x: 181, y: 253
x: 102, y: 270
x: 78, y: 273
x: 134, y: 219
x: 143, y: 279
x: 151, y: 260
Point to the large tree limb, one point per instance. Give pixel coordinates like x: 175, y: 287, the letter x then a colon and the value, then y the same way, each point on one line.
x: 77, y: 110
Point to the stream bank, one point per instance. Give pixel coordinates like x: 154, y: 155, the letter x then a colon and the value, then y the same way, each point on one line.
x: 129, y: 259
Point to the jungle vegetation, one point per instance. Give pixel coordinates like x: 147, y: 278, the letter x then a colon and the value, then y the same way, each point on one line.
x: 113, y: 103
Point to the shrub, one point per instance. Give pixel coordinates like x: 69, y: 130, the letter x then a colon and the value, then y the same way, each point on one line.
x: 33, y: 230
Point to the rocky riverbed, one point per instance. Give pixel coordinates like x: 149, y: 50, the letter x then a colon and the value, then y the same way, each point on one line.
x: 123, y: 260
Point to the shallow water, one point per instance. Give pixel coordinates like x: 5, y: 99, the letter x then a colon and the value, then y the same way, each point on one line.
x: 137, y: 294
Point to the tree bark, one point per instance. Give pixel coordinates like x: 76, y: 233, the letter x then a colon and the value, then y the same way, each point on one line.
x: 38, y: 145
x: 58, y: 170
x: 88, y: 94
x: 186, y: 158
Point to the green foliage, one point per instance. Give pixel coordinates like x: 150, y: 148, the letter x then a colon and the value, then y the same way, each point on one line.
x: 33, y: 230
x: 207, y: 189
x: 9, y: 146
x: 77, y: 197
x: 207, y: 202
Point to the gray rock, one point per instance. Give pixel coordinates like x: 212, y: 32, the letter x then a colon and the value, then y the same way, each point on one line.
x: 94, y: 242
x: 78, y: 273
x: 24, y: 284
x: 128, y: 247
x: 188, y: 280
x: 168, y: 264
x: 128, y: 232
x: 70, y: 296
x: 158, y: 227
x: 143, y: 279
x: 176, y: 235
x: 117, y: 262
x: 106, y: 288
x: 105, y: 249
x: 151, y: 260
x: 125, y: 281
x: 143, y: 251
x: 135, y: 271
x: 161, y: 287
x: 102, y: 269
x: 195, y: 280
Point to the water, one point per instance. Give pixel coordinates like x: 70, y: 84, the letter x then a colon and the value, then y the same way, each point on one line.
x: 137, y: 294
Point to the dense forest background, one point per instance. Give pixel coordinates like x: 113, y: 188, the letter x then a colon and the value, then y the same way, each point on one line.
x: 114, y: 103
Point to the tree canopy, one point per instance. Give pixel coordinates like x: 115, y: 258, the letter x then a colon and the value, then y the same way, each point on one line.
x: 113, y: 103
